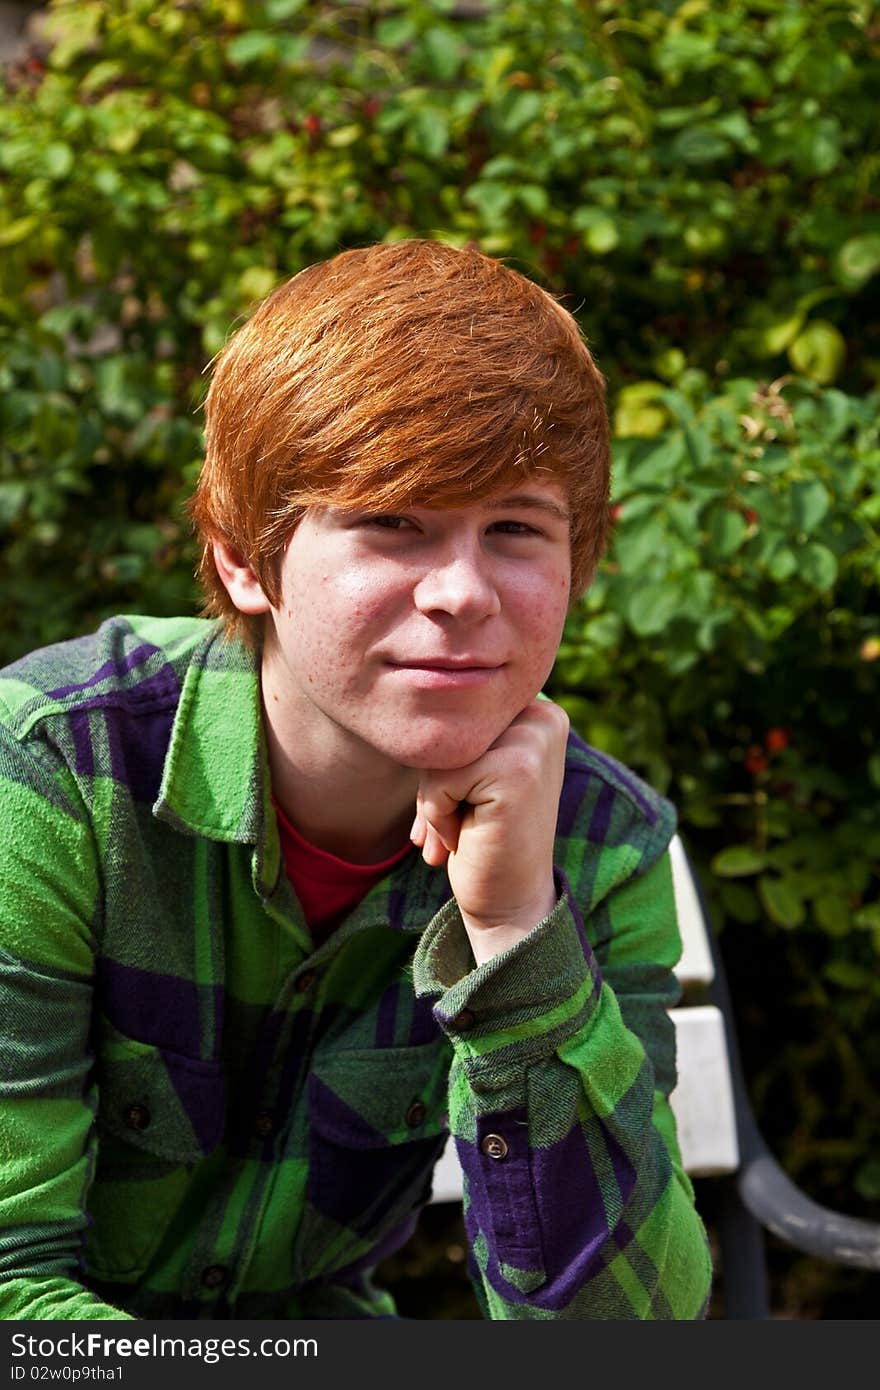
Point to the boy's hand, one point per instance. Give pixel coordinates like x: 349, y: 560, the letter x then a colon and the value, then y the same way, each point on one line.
x: 493, y: 824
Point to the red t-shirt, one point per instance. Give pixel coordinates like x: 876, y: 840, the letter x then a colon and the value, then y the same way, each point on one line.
x: 327, y: 887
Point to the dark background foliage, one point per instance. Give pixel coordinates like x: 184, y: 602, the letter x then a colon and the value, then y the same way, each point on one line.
x: 699, y: 183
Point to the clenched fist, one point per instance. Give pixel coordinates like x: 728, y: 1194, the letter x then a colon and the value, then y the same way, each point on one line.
x: 493, y: 823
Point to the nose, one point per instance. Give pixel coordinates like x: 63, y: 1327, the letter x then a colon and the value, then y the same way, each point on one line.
x: 460, y: 586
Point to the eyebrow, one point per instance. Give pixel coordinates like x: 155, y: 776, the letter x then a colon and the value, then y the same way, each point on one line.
x: 528, y: 499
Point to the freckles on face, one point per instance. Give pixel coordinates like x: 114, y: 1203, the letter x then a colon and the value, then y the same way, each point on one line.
x: 358, y: 606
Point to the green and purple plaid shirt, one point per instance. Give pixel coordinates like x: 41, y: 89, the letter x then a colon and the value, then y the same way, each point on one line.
x: 201, y: 1116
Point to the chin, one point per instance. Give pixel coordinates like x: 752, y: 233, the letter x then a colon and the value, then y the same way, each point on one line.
x: 441, y: 751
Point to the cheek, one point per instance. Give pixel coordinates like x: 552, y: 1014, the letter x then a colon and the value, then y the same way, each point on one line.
x: 541, y: 611
x: 328, y: 634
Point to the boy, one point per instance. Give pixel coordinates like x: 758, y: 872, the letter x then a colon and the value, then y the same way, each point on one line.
x: 290, y: 892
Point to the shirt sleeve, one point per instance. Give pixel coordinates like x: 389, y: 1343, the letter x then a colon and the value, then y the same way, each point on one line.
x: 49, y: 896
x: 576, y: 1201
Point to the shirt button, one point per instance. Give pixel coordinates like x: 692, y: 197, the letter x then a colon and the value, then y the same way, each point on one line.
x: 264, y: 1124
x: 415, y: 1115
x: 305, y: 981
x: 463, y: 1020
x: 214, y: 1276
x: 493, y: 1146
x: 137, y: 1117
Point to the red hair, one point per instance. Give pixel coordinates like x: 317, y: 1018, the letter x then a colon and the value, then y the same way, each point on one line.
x: 403, y: 374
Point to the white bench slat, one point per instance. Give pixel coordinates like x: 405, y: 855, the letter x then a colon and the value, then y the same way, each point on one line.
x: 702, y: 1102
x: 695, y: 966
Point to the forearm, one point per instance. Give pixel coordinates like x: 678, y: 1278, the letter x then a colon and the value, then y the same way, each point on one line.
x: 582, y: 1209
x: 53, y: 1298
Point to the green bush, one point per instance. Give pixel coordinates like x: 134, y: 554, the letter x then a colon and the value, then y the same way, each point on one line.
x: 731, y: 649
x: 699, y: 183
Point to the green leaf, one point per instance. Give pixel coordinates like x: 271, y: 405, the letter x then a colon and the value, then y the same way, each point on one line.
x: 699, y: 145
x: 251, y: 46
x: 491, y: 200
x: 779, y: 335
x: 858, y: 260
x: 737, y: 861
x: 832, y: 914
x: 13, y: 498
x: 100, y: 75
x: 868, y: 917
x: 818, y: 566
x: 533, y: 198
x: 640, y: 412
x: 58, y: 160
x: 396, y: 31
x: 601, y: 236
x: 727, y: 531
x: 819, y: 352
x: 809, y: 504
x: 430, y: 131
x: 782, y: 564
x: 443, y: 52
x: 19, y: 230
x: 849, y: 975
x: 640, y: 542
x: 651, y: 609
x: 283, y: 9
x: 781, y: 902
x: 344, y: 135
x: 661, y: 465
x: 522, y: 109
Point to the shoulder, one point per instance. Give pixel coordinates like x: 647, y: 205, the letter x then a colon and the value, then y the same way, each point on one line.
x: 99, y: 705
x: 612, y: 825
x: 130, y: 660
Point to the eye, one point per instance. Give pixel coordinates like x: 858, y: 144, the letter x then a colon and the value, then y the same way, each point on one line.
x: 388, y: 521
x: 514, y: 528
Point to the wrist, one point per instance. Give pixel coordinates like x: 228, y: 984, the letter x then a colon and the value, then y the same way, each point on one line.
x: 488, y: 938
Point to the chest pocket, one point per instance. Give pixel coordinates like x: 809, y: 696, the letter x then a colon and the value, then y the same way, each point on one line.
x: 159, y: 1114
x: 377, y: 1124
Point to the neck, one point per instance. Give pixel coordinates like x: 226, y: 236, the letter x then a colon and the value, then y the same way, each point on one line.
x: 341, y: 795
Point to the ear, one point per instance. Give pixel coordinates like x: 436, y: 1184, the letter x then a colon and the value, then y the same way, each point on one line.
x: 239, y: 580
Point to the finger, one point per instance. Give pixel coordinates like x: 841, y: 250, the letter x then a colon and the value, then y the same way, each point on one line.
x: 446, y: 829
x: 434, y: 852
x: 419, y: 829
x: 441, y: 809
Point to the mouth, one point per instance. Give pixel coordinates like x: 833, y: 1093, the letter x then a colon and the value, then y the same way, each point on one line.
x: 446, y: 673
x: 448, y: 664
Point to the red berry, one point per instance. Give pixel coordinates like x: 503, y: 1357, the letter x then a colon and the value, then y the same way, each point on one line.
x: 372, y: 107
x: 312, y: 125
x: 615, y: 513
x: 776, y: 741
x: 755, y: 761
x: 751, y: 516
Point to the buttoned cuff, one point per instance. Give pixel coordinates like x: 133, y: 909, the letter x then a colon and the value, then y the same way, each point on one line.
x: 517, y: 1008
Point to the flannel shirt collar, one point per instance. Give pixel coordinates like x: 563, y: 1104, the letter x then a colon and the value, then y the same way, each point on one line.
x: 216, y: 783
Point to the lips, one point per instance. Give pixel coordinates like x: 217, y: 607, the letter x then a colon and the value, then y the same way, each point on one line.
x: 445, y: 673
x: 467, y: 663
x: 446, y: 666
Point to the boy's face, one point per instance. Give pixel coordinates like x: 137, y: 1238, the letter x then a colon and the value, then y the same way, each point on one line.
x: 420, y: 634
